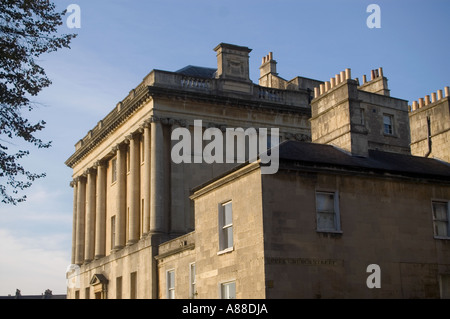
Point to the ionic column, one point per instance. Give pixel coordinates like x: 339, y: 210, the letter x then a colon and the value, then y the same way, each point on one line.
x: 146, y: 178
x: 90, y: 216
x: 74, y: 222
x: 133, y: 226
x: 100, y: 209
x: 157, y: 177
x: 177, y: 221
x: 81, y: 202
x: 121, y: 197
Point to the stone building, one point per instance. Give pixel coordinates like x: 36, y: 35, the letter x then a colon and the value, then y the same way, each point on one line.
x: 254, y: 235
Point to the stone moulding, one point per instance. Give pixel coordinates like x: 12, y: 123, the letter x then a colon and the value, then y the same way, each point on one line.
x: 138, y: 97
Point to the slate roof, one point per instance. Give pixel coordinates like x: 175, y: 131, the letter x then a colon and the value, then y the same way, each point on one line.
x: 311, y: 154
x: 197, y: 71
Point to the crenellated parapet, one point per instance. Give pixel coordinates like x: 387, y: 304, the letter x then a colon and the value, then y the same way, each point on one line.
x: 334, y: 82
x: 430, y: 99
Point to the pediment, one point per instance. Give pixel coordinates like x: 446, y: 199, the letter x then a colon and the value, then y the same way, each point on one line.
x: 98, y: 279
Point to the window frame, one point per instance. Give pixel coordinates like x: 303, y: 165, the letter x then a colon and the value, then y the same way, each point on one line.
x: 119, y: 287
x: 336, y: 211
x: 226, y: 283
x: 170, y: 289
x: 363, y: 116
x: 444, y: 289
x: 113, y: 231
x: 447, y: 204
x: 133, y: 285
x: 113, y: 170
x: 141, y: 150
x: 223, y: 246
x: 391, y: 119
x: 192, y: 281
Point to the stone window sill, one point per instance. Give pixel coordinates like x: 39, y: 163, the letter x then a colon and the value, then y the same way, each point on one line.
x: 225, y: 251
x: 442, y: 237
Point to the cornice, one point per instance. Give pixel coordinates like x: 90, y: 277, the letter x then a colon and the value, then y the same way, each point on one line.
x: 137, y: 98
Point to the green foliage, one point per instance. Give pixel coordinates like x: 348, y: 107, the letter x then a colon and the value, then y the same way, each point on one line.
x: 28, y: 29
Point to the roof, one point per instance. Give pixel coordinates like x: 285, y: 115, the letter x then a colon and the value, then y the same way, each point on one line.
x: 197, y: 71
x: 377, y: 161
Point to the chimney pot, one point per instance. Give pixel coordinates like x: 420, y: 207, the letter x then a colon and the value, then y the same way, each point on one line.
x: 427, y: 99
x: 447, y: 91
x: 433, y: 97
x: 420, y: 102
x: 439, y: 95
x: 364, y: 79
x: 348, y: 74
x: 380, y: 71
x: 316, y: 92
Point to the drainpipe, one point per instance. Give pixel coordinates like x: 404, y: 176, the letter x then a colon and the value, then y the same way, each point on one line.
x: 429, y: 137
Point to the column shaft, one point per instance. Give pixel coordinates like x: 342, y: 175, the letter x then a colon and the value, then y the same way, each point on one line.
x: 157, y: 178
x: 146, y: 178
x: 177, y: 222
x: 121, y: 198
x: 81, y: 202
x: 100, y: 221
x: 133, y: 227
x: 74, y: 223
x: 90, y: 216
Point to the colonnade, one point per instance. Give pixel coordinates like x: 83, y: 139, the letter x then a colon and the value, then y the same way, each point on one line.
x: 142, y: 208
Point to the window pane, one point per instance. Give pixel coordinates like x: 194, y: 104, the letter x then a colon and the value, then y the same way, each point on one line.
x: 326, y: 221
x: 445, y: 287
x: 171, y: 279
x: 387, y: 122
x: 441, y: 228
x: 440, y: 211
x: 114, y: 170
x: 192, y: 273
x: 325, y: 202
x: 228, y: 237
x: 228, y: 214
x: 229, y: 290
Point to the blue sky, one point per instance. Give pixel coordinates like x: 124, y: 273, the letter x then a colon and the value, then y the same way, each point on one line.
x: 120, y: 41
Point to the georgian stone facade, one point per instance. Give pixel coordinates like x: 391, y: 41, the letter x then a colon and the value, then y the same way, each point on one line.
x: 133, y: 207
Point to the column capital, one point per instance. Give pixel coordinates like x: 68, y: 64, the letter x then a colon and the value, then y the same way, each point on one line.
x: 118, y: 146
x: 182, y: 123
x: 80, y: 178
x: 99, y: 163
x: 90, y: 170
x: 154, y: 119
x: 146, y: 124
x: 132, y: 136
